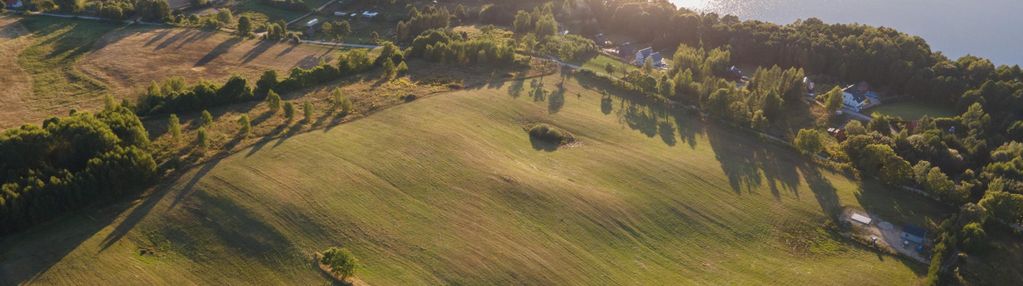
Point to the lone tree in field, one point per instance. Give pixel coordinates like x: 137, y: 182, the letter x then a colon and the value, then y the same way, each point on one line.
x: 610, y: 69
x: 289, y: 111
x: 340, y: 102
x: 809, y: 141
x: 246, y: 126
x: 341, y: 262
x: 307, y: 110
x: 244, y: 26
x: 273, y: 100
x: 207, y: 118
x: 174, y: 126
x: 201, y: 138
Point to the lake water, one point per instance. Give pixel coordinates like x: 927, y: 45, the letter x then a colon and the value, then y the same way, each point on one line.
x: 987, y: 28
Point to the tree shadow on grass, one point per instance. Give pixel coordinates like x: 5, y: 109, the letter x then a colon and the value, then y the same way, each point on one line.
x: 516, y: 87
x: 217, y: 51
x: 283, y: 52
x: 823, y: 191
x: 266, y: 139
x: 258, y: 50
x: 295, y: 128
x: 156, y: 38
x: 556, y: 100
x: 750, y: 162
x: 26, y: 255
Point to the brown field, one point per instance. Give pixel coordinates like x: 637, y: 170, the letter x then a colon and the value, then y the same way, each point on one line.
x: 128, y: 60
x: 48, y: 66
x: 16, y: 82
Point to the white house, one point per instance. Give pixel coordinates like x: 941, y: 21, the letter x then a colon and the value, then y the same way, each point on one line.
x: 643, y: 54
x: 859, y: 96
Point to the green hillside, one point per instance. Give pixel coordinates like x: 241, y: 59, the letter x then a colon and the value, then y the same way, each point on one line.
x: 450, y: 189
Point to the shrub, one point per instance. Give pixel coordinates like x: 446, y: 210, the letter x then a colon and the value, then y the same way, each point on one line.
x: 174, y: 126
x: 207, y: 118
x: 546, y: 132
x: 809, y: 141
x: 307, y: 110
x: 273, y: 101
x: 245, y: 125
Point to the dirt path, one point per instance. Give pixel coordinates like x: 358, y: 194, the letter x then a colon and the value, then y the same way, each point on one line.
x: 16, y: 82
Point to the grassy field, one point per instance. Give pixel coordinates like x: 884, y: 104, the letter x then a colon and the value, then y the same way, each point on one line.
x: 269, y: 12
x: 449, y: 189
x: 599, y: 62
x: 914, y: 110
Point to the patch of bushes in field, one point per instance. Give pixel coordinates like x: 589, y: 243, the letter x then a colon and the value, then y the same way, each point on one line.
x: 449, y: 47
x: 550, y: 134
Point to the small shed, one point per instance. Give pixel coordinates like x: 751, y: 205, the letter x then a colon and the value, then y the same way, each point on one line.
x: 312, y: 23
x: 861, y: 218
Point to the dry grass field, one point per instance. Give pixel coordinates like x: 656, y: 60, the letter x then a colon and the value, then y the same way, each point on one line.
x: 129, y: 59
x: 17, y: 83
x: 51, y: 65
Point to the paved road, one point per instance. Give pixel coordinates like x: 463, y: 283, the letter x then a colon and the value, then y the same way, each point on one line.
x: 337, y: 44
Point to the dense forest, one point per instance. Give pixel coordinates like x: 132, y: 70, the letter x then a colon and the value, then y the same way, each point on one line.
x: 71, y: 162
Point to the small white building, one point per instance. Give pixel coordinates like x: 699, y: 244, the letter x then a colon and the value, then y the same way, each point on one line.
x: 312, y: 23
x: 861, y: 218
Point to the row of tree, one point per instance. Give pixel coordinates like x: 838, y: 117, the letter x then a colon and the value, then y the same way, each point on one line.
x: 148, y: 10
x: 174, y: 96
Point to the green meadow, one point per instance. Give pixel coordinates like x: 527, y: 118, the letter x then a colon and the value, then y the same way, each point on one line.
x: 450, y: 189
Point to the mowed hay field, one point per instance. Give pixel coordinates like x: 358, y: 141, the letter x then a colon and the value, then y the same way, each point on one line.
x: 52, y: 65
x: 17, y: 82
x: 130, y: 59
x: 450, y: 189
